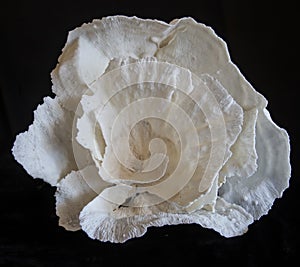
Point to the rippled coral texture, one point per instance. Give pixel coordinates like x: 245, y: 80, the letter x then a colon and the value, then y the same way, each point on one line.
x: 178, y: 79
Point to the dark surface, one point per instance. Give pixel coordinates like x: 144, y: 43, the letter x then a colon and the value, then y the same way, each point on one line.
x: 261, y: 39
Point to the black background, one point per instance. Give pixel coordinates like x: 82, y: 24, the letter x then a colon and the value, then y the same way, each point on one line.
x: 262, y: 39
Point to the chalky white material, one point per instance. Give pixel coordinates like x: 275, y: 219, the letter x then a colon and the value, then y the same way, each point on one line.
x: 152, y: 125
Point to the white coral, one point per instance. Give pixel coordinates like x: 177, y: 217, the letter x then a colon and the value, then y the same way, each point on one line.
x: 152, y: 124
